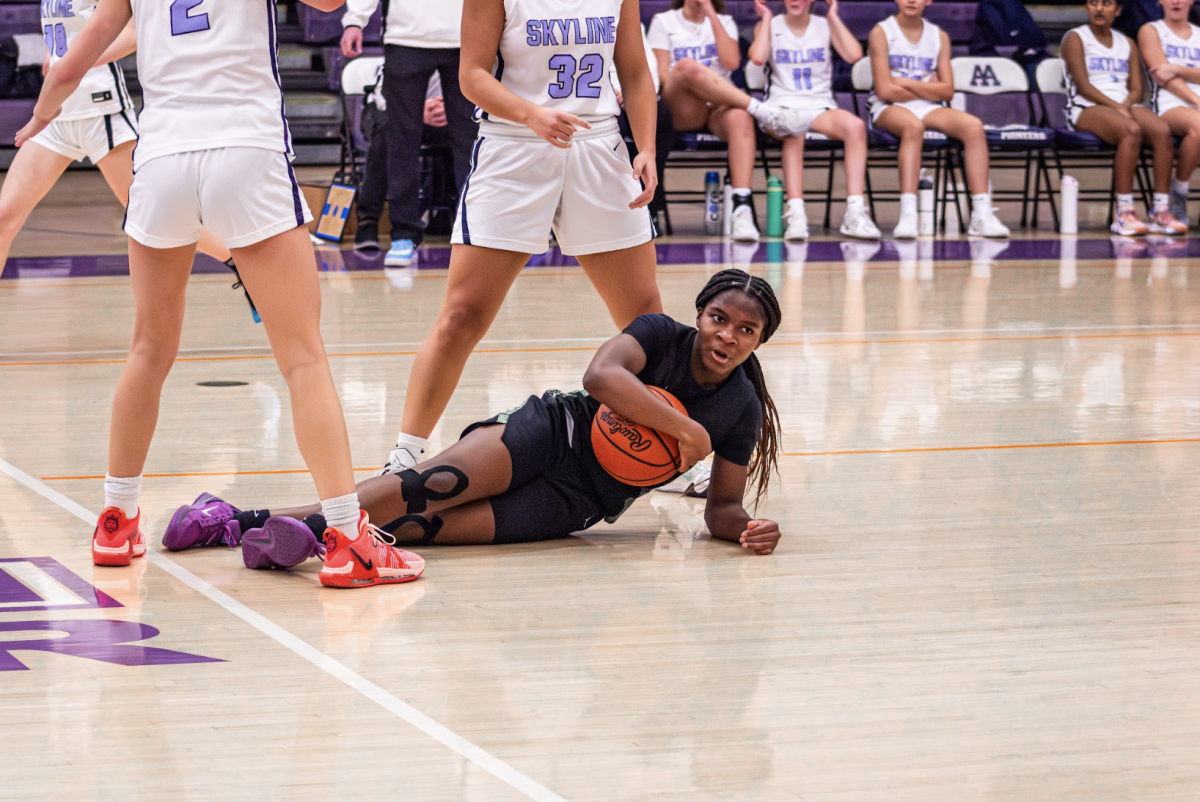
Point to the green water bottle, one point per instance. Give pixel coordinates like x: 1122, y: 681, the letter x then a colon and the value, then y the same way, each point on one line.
x: 774, y: 207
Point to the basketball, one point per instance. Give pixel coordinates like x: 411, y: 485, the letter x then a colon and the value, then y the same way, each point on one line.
x: 634, y: 454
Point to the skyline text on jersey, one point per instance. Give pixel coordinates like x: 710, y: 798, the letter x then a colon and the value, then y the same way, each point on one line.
x: 1182, y: 53
x: 558, y: 32
x: 1107, y: 64
x: 912, y: 63
x: 813, y: 55
x: 57, y: 8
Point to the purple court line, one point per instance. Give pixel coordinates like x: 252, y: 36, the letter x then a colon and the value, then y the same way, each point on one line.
x: 333, y: 260
x: 90, y: 596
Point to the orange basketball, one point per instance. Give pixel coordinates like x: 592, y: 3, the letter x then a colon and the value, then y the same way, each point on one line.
x: 634, y: 454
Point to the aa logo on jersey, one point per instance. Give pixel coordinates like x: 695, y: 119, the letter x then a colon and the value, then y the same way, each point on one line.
x: 984, y: 76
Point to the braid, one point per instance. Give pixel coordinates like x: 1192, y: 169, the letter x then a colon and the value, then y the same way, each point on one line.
x: 766, y: 455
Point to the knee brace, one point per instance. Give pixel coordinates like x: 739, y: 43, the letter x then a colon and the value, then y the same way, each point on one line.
x: 416, y: 493
x: 429, y: 528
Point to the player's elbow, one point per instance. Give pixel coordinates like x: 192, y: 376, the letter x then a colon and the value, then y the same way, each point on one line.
x: 594, y: 382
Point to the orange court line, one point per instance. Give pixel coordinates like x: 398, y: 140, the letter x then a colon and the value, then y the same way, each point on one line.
x: 848, y: 453
x: 567, y: 349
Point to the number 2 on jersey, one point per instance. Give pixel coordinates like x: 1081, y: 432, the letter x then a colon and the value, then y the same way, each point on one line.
x: 802, y: 78
x: 181, y: 23
x: 585, y: 83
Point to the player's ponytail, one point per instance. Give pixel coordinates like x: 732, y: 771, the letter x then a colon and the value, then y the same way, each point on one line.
x: 766, y: 455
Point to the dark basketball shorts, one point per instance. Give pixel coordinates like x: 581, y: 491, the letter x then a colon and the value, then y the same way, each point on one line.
x: 549, y: 495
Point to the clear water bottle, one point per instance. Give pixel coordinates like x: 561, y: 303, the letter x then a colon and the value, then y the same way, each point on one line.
x: 712, y: 203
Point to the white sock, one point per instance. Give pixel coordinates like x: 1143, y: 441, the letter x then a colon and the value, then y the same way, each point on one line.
x: 908, y: 203
x: 341, y: 513
x: 755, y: 108
x: 1179, y: 187
x: 741, y: 192
x: 415, y: 445
x: 981, y: 202
x: 123, y: 493
x: 1124, y: 201
x: 853, y: 201
x: 1161, y: 200
x: 796, y: 203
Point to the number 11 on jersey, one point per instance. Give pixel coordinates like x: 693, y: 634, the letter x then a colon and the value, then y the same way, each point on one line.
x: 182, y: 22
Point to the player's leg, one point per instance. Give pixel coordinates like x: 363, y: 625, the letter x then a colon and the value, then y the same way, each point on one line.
x: 476, y: 284
x: 1157, y: 134
x: 1123, y: 132
x: 691, y: 77
x: 908, y: 127
x: 795, y: 218
x: 968, y: 129
x: 736, y: 128
x: 852, y: 132
x: 406, y: 74
x: 33, y: 172
x: 625, y: 281
x: 1184, y: 122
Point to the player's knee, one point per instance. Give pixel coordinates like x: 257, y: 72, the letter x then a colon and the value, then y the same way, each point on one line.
x: 973, y: 130
x: 154, y: 351
x: 914, y: 129
x: 740, y: 123
x: 1132, y: 131
x: 688, y: 69
x: 854, y: 130
x: 461, y: 326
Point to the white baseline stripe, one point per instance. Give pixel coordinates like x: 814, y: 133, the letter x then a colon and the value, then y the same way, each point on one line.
x: 814, y: 337
x: 443, y: 735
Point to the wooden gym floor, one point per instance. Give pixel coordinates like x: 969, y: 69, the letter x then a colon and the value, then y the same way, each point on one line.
x: 988, y: 587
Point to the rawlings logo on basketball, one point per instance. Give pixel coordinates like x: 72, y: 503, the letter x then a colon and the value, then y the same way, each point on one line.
x: 111, y: 524
x: 619, y: 426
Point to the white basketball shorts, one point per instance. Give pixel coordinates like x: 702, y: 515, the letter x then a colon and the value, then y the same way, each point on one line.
x: 918, y: 107
x: 92, y: 137
x: 521, y: 187
x: 242, y: 195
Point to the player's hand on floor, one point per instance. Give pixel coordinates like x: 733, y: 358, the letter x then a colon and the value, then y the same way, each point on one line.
x: 554, y: 126
x: 34, y: 127
x: 644, y: 170
x: 761, y: 535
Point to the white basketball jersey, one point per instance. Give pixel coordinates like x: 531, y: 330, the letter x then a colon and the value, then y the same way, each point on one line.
x: 558, y: 53
x: 801, y: 70
x: 102, y: 90
x: 905, y: 60
x: 1107, y: 68
x: 209, y: 77
x: 681, y: 38
x: 1185, y: 53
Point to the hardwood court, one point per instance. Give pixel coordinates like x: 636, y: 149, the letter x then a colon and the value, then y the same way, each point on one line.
x: 988, y: 587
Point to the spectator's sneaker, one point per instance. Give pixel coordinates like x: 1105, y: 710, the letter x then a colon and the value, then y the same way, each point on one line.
x: 744, y: 229
x: 402, y: 253
x: 280, y: 543
x: 366, y: 238
x: 117, y: 539
x: 984, y: 223
x: 1163, y: 222
x: 795, y: 222
x: 367, y: 560
x: 1177, y: 206
x: 207, y: 521
x: 857, y: 223
x: 1128, y: 224
x: 906, y: 227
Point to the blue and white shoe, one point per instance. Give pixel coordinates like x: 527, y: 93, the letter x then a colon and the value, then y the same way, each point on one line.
x: 402, y: 253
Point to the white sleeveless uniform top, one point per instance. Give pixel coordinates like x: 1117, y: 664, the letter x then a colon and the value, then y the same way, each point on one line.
x: 209, y: 76
x: 917, y: 62
x: 682, y: 38
x: 102, y: 90
x: 1185, y: 53
x: 558, y: 53
x: 1107, y: 70
x: 801, y: 69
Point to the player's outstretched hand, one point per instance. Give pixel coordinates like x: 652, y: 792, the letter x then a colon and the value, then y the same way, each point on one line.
x: 644, y: 169
x: 554, y: 126
x: 34, y: 127
x: 761, y: 535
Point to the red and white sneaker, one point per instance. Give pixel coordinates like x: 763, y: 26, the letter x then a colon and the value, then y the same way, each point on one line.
x: 117, y: 539
x: 1128, y: 224
x: 368, y: 560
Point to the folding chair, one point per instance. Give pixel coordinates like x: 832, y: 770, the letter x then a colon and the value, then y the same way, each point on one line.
x: 1012, y: 145
x: 359, y: 77
x: 937, y: 145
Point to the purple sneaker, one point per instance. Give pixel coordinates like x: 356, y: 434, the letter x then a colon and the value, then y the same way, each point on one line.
x: 207, y: 521
x: 280, y: 543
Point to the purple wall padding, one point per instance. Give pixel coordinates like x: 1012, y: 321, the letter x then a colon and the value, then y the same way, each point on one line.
x: 22, y: 18
x: 322, y: 27
x: 14, y: 113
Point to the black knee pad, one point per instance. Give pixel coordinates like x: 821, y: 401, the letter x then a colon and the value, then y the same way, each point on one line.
x: 417, y: 496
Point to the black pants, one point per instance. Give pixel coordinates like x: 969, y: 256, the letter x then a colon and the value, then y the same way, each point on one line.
x: 374, y: 190
x: 406, y: 74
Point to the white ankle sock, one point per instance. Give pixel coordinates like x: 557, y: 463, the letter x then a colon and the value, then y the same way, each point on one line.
x: 1124, y: 201
x: 123, y: 493
x: 1179, y: 187
x: 981, y: 202
x: 853, y: 200
x: 741, y: 192
x: 1161, y: 200
x: 908, y: 203
x: 415, y: 445
x: 796, y: 203
x: 341, y: 513
x: 754, y: 109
